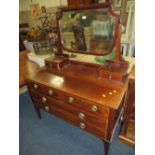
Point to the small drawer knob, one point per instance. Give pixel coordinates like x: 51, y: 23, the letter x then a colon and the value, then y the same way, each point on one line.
x: 82, y: 125
x: 110, y: 76
x: 35, y: 86
x: 71, y: 100
x: 81, y: 115
x: 50, y: 92
x: 114, y: 91
x: 94, y: 108
x: 110, y: 93
x: 46, y: 108
x: 44, y: 99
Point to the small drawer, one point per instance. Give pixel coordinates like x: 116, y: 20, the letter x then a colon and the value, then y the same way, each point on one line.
x: 43, y: 89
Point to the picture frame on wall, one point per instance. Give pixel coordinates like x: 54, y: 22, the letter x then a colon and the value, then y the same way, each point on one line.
x: 35, y: 10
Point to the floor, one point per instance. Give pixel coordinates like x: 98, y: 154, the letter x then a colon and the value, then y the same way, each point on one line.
x: 52, y: 136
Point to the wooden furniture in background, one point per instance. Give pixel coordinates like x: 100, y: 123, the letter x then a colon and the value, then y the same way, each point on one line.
x: 79, y: 92
x: 78, y: 2
x: 127, y: 133
x: 26, y: 68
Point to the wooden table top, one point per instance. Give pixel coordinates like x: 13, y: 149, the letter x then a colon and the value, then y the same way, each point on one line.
x: 85, y: 87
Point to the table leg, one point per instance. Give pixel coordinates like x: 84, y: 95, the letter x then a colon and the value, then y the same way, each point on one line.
x: 106, y: 147
x: 38, y: 111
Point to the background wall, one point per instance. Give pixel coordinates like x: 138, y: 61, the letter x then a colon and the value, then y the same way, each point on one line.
x: 24, y: 5
x: 25, y: 14
x: 51, y: 6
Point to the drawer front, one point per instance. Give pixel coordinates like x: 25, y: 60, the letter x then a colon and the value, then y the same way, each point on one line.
x: 72, y: 118
x: 43, y: 89
x: 93, y: 108
x: 95, y: 120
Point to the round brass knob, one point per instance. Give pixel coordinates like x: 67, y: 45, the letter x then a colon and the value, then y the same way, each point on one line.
x: 46, y: 108
x: 94, y: 108
x: 82, y: 125
x: 44, y: 99
x: 35, y: 86
x: 110, y: 76
x: 103, y: 95
x: 114, y: 91
x: 50, y: 92
x: 110, y: 93
x: 71, y: 100
x: 81, y: 115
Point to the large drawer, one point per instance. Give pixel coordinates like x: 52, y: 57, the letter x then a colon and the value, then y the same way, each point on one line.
x: 95, y: 120
x: 72, y: 118
x: 88, y: 106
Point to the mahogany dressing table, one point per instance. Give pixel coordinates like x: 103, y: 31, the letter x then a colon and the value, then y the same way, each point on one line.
x: 89, y: 96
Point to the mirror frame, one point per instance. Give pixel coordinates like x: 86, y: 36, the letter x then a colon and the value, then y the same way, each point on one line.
x: 117, y: 31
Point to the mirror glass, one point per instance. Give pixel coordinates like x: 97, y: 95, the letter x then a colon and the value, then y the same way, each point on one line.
x: 88, y: 31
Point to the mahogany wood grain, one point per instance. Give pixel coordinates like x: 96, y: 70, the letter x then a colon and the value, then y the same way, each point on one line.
x: 93, y: 117
x: 82, y: 83
x: 78, y: 102
x: 72, y: 118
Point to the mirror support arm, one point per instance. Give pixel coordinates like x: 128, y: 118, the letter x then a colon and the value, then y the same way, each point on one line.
x: 118, y: 44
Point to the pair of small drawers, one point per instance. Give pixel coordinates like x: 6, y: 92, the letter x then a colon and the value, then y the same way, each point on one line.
x: 88, y: 116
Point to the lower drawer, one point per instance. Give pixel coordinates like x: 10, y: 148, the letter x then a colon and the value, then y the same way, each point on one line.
x: 71, y: 118
x: 98, y: 121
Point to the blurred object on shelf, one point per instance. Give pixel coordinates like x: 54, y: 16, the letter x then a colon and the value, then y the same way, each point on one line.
x: 21, y: 45
x: 29, y: 46
x: 45, y: 37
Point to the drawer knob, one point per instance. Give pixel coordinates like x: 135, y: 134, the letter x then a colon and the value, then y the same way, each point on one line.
x: 81, y: 115
x: 46, y: 108
x: 44, y: 99
x: 82, y: 125
x: 94, y: 108
x: 35, y: 86
x: 71, y: 100
x: 110, y: 76
x: 50, y: 92
x: 114, y: 91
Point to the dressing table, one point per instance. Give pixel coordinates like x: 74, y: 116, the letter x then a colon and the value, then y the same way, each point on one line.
x: 88, y: 95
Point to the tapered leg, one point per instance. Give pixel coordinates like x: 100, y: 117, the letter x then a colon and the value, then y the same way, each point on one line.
x: 106, y: 147
x: 38, y: 111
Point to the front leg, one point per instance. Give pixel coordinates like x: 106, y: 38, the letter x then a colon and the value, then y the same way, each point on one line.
x: 106, y: 147
x: 37, y: 111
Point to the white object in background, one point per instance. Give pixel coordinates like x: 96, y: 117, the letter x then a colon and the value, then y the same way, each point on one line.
x: 124, y: 49
x: 129, y: 3
x: 128, y: 23
x: 29, y: 46
x: 131, y: 49
x: 39, y: 59
x: 127, y: 40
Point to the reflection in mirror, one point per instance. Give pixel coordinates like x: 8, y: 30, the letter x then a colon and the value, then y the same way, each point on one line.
x: 88, y: 31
